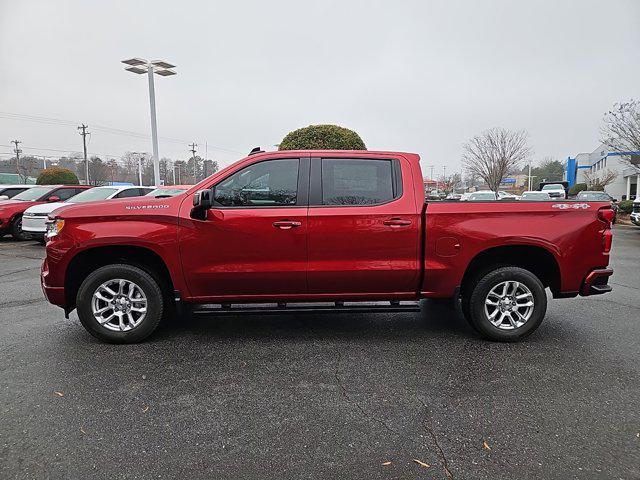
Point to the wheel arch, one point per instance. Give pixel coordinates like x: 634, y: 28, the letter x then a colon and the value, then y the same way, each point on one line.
x: 536, y: 259
x: 90, y: 259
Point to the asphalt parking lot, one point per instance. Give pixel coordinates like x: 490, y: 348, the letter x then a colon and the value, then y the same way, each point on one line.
x: 321, y: 396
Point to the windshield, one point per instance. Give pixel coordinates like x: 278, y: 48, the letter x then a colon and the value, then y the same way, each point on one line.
x: 553, y: 187
x: 166, y: 192
x: 482, y: 196
x: 32, y: 194
x: 594, y: 196
x: 92, y: 195
x: 535, y: 195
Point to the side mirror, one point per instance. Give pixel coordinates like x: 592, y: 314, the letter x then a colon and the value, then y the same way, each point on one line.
x: 53, y: 198
x: 202, y: 201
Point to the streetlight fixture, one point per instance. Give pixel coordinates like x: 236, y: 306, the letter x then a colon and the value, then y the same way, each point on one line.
x: 162, y: 68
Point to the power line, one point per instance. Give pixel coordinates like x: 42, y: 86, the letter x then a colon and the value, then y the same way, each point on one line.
x: 101, y: 128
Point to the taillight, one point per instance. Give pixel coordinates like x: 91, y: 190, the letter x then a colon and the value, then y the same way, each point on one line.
x: 607, y: 237
x: 606, y: 215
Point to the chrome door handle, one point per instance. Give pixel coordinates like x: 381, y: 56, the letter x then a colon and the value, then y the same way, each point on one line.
x: 286, y: 224
x: 397, y: 222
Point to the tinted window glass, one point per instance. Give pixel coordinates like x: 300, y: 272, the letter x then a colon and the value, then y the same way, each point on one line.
x: 270, y: 183
x: 11, y: 192
x: 356, y: 182
x: 129, y: 192
x: 64, y: 193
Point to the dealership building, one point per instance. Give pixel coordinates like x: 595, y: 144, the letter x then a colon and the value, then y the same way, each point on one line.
x: 602, y: 160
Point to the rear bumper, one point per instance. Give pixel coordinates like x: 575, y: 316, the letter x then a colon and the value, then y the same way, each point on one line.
x: 596, y: 282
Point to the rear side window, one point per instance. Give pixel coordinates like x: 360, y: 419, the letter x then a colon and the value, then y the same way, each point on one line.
x: 359, y: 182
x: 272, y: 183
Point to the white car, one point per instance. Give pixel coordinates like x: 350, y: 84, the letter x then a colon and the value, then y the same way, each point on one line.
x: 482, y: 195
x: 34, y: 218
x: 506, y: 196
x: 536, y: 196
x: 635, y: 214
x: 555, y: 191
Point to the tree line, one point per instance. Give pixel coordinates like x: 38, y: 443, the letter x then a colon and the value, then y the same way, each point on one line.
x: 129, y: 168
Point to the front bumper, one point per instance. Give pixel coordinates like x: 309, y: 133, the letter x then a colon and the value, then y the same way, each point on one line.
x: 635, y: 218
x: 596, y: 282
x: 54, y: 295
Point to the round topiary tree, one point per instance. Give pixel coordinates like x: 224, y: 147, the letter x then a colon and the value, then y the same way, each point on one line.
x: 322, y: 137
x: 57, y: 175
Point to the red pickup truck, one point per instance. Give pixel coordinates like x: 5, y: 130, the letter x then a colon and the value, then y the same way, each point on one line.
x: 320, y: 229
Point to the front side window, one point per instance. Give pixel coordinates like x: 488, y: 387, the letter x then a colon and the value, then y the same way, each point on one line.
x: 64, y: 193
x: 357, y: 182
x: 273, y: 183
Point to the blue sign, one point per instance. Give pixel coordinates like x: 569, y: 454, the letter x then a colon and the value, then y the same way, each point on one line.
x: 509, y: 180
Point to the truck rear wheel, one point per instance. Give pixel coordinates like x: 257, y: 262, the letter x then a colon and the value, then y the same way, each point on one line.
x: 120, y: 304
x: 507, y: 304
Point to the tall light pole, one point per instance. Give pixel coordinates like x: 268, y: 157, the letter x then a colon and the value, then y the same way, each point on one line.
x: 162, y: 68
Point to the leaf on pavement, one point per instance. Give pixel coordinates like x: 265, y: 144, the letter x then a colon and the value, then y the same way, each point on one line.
x: 60, y: 394
x: 422, y: 464
x: 145, y: 409
x: 485, y: 445
x: 386, y: 463
x: 82, y: 430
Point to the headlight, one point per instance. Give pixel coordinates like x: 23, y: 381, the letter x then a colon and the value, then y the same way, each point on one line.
x: 54, y: 227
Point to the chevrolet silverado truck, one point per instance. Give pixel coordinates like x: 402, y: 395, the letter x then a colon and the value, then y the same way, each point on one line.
x: 326, y: 231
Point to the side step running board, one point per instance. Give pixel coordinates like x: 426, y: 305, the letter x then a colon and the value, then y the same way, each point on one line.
x: 307, y: 307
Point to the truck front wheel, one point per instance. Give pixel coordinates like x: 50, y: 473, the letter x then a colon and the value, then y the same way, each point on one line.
x: 507, y: 304
x: 120, y: 304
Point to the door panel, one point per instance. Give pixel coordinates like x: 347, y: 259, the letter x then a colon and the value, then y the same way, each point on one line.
x: 254, y: 241
x: 370, y: 249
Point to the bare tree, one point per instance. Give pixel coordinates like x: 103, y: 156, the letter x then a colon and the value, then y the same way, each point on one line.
x: 621, y: 131
x: 598, y: 182
x: 493, y: 153
x: 27, y: 167
x: 449, y: 183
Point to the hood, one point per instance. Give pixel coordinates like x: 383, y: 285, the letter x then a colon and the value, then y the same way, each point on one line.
x: 5, y: 203
x: 45, y: 208
x: 119, y: 207
x: 14, y: 206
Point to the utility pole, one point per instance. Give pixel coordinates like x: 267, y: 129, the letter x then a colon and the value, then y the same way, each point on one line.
x: 193, y: 156
x: 529, y: 175
x: 84, y: 134
x: 18, y: 151
x: 173, y: 169
x: 430, y: 172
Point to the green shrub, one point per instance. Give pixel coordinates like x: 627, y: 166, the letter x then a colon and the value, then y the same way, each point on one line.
x: 577, y: 188
x: 625, y: 206
x: 56, y: 175
x: 322, y: 137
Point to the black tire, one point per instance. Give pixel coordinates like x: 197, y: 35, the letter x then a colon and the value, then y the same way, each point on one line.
x: 476, y: 304
x: 16, y: 229
x: 143, y: 280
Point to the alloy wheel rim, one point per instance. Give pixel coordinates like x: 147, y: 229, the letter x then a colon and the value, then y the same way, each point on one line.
x: 509, y: 305
x: 119, y: 305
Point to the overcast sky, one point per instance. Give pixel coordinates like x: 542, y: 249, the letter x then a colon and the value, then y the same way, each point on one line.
x: 420, y: 76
